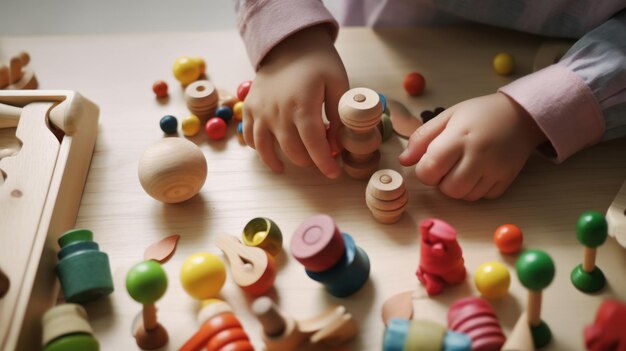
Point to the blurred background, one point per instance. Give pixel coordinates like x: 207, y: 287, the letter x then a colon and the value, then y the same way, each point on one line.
x: 59, y: 17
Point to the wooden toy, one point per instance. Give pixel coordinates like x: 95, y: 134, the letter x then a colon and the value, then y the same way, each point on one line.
x: 253, y: 269
x: 616, y: 217
x: 503, y: 64
x: 169, y: 124
x: 360, y: 110
x: 219, y: 330
x: 190, y: 125
x: 263, y: 233
x: 550, y: 53
x: 441, y: 258
x: 492, y: 279
x: 172, y: 170
x: 607, y: 330
x: 225, y: 113
x: 83, y: 270
x: 282, y: 333
x: 18, y: 76
x: 201, y: 98
x: 427, y: 115
x: 146, y: 283
x: 399, y: 306
x: 520, y: 339
x: 9, y: 116
x: 415, y: 335
x: 162, y: 250
x: 476, y: 318
x: 508, y: 238
x: 243, y: 89
x: 591, y: 231
x: 455, y: 341
x: 383, y: 102
x: 317, y: 243
x: 186, y: 70
x: 40, y: 191
x: 386, y: 196
x: 66, y: 328
x: 203, y: 275
x: 215, y: 128
x: 240, y: 133
x: 535, y: 271
x: 199, y: 61
x: 385, y: 127
x: 414, y: 84
x: 402, y: 120
x: 160, y: 89
x: 238, y: 110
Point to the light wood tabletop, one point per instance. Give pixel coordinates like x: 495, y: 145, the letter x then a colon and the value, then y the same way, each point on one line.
x: 117, y: 71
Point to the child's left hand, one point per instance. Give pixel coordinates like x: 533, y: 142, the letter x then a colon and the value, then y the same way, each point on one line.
x: 474, y: 149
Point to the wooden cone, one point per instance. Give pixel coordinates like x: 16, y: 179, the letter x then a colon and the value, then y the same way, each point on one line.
x: 520, y: 339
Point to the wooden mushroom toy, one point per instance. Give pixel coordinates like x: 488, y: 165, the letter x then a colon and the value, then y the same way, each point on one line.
x: 591, y: 231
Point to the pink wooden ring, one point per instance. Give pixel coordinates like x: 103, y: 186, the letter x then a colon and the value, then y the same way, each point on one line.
x: 317, y: 243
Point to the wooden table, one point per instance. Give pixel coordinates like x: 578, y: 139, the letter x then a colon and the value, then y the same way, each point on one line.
x: 117, y: 72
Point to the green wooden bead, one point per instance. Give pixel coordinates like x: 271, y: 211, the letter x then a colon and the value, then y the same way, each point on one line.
x: 591, y: 229
x: 541, y: 335
x: 75, y: 235
x: 535, y: 269
x: 588, y: 281
x: 146, y: 282
x: 73, y: 342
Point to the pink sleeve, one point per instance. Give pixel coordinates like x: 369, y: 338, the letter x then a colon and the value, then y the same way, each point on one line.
x: 563, y: 106
x: 265, y: 23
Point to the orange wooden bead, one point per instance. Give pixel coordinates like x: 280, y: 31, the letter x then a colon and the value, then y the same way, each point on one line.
x: 508, y: 238
x: 160, y: 89
x: 414, y: 84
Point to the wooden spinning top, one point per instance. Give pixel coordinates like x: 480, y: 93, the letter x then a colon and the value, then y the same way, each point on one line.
x: 386, y: 195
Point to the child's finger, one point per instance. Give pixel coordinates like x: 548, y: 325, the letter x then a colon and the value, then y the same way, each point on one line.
x: 422, y: 137
x: 462, y: 178
x: 292, y: 146
x: 331, y: 107
x: 480, y: 189
x: 248, y: 128
x: 313, y: 134
x: 443, y: 153
x: 498, y: 189
x: 264, y: 141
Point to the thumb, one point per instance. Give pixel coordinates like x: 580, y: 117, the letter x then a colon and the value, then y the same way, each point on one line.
x: 331, y: 104
x: 422, y: 137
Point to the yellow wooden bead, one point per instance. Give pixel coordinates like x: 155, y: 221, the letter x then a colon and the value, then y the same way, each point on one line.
x: 203, y: 275
x: 191, y: 125
x: 492, y: 279
x: 199, y: 61
x: 238, y: 110
x: 186, y: 70
x: 503, y: 63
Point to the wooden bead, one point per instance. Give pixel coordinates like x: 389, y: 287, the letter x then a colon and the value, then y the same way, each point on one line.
x: 83, y: 270
x: 317, y: 243
x: 455, y: 341
x: 395, y: 335
x: 243, y: 89
x: 63, y: 320
x: 201, y: 98
x: 172, y: 170
x: 199, y: 62
x: 360, y: 109
x: 476, y: 318
x: 203, y: 275
x: 169, y: 124
x: 349, y: 274
x: 414, y: 84
x: 252, y: 268
x: 386, y: 195
x: 263, y: 233
x: 361, y: 143
x: 225, y: 113
x: 186, y: 70
x: 190, y: 125
x: 535, y: 269
x: 508, y: 238
x: 238, y: 110
x: 359, y: 169
x: 146, y: 282
x: 240, y: 133
x: 215, y: 128
x: 492, y: 279
x: 425, y: 335
x: 160, y: 89
x: 503, y: 64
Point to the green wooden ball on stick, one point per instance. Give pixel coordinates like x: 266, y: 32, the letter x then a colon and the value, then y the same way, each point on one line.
x: 591, y: 231
x: 535, y: 271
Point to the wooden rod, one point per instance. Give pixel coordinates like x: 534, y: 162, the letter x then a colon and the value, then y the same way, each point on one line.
x: 149, y: 317
x: 534, y: 308
x: 270, y: 317
x: 589, y: 261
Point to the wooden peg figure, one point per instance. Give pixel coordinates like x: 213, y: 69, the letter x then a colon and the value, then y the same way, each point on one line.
x: 535, y: 270
x: 386, y: 195
x: 591, y: 231
x: 252, y: 268
x: 18, y: 76
x: 146, y: 283
x: 360, y: 111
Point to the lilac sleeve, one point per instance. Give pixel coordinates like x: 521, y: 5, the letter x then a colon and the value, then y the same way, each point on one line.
x: 582, y: 99
x: 265, y: 23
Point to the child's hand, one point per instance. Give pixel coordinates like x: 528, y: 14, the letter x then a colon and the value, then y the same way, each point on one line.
x: 284, y: 104
x: 474, y: 149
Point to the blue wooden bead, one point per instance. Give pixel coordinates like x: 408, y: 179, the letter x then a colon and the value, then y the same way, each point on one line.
x: 240, y: 128
x: 383, y: 101
x: 349, y: 274
x: 169, y: 124
x: 224, y: 112
x: 395, y: 335
x: 454, y: 341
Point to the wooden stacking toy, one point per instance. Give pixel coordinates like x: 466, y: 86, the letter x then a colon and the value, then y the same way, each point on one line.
x: 263, y: 233
x: 83, y: 270
x: 360, y: 110
x: 66, y: 328
x: 420, y: 334
x: 476, y: 318
x: 386, y: 195
x: 202, y: 98
x: 253, y: 269
x: 441, y: 257
x: 219, y: 330
x: 591, y: 231
x: 172, y: 170
x: 329, y: 256
x: 203, y: 275
x: 146, y: 283
x: 282, y: 333
x: 607, y: 330
x: 535, y: 271
x: 18, y: 75
x: 520, y: 339
x: 616, y: 216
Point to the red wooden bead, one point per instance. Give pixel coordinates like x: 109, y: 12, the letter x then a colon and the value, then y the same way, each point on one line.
x: 160, y: 89
x: 215, y: 128
x: 414, y: 84
x: 243, y: 89
x: 508, y: 238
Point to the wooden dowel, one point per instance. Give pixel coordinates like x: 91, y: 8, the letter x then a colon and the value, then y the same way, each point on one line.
x: 589, y: 261
x: 268, y: 314
x: 534, y: 308
x: 149, y: 317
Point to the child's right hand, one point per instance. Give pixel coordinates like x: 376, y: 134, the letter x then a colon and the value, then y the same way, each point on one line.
x: 284, y: 104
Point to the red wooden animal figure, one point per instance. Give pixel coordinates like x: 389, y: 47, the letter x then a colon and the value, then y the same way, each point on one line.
x: 607, y: 331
